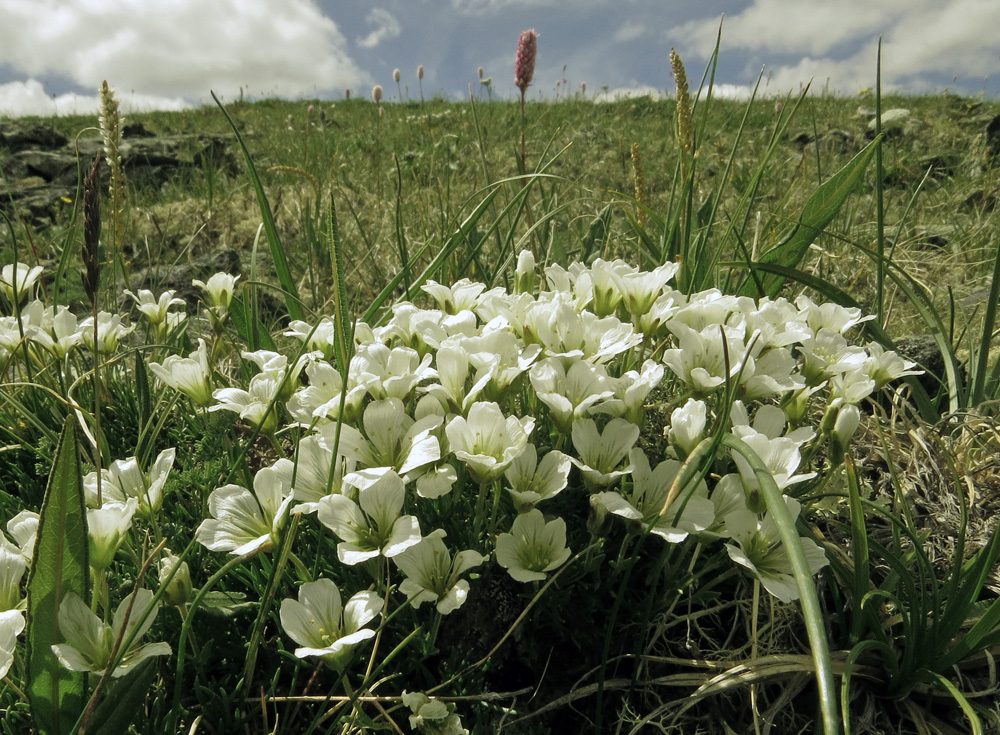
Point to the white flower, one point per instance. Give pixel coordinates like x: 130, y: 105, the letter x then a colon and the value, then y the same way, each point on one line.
x: 322, y: 338
x: 532, y: 482
x: 830, y: 315
x: 89, y: 640
x: 308, y: 475
x: 323, y: 626
x: 532, y: 547
x: 640, y: 289
x: 107, y: 528
x: 432, y: 575
x: 391, y: 439
x: 13, y: 565
x: 437, y: 481
x: 320, y: 400
x: 451, y: 390
x: 219, y: 289
x: 687, y: 426
x: 883, y: 367
x: 124, y: 479
x: 758, y: 548
x: 154, y: 309
x: 571, y: 394
x: 453, y: 299
x: 373, y: 525
x: 18, y: 278
x: 23, y: 528
x: 701, y: 358
x: 431, y: 715
x: 390, y: 372
x: 110, y: 331
x: 11, y: 625
x: 487, y: 442
x: 256, y: 406
x: 62, y: 336
x: 243, y: 521
x: 190, y: 375
x: 650, y: 489
x: 599, y: 455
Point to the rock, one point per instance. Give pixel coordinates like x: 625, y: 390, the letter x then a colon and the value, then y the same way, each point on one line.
x: 52, y: 166
x: 136, y: 130
x: 992, y: 137
x: 895, y: 122
x: 17, y: 135
x: 38, y: 152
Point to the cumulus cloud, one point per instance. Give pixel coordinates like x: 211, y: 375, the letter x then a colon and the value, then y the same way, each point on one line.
x: 834, y: 43
x: 386, y: 26
x: 182, y: 48
x: 30, y: 98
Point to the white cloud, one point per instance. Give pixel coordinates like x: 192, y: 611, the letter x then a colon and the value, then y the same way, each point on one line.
x: 19, y: 99
x: 628, y: 93
x: 182, y: 48
x: 629, y: 32
x: 836, y: 42
x: 386, y: 26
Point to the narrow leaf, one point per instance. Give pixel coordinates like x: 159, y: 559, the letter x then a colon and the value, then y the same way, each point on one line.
x: 819, y: 211
x: 59, y: 566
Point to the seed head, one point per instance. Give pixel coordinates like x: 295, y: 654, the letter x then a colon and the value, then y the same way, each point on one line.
x: 396, y: 76
x: 524, y: 62
x: 420, y: 72
x: 377, y: 93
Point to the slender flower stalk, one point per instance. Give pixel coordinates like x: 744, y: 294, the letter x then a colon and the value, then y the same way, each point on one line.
x: 420, y: 80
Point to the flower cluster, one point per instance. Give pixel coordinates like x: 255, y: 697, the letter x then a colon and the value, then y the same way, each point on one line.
x: 527, y: 406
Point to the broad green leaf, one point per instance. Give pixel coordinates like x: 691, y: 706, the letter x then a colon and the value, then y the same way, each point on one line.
x: 119, y: 707
x: 59, y: 566
x: 288, y: 286
x: 819, y: 211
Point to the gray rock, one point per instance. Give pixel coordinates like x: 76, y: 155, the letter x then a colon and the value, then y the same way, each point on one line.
x: 17, y: 135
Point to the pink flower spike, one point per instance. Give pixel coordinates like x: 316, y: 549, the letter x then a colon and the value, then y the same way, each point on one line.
x: 524, y: 62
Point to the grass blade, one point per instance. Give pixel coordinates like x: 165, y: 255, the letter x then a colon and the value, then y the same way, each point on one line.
x: 59, y: 566
x: 285, y: 279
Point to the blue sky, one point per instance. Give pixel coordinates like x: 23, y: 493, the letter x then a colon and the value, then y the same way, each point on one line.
x: 167, y: 54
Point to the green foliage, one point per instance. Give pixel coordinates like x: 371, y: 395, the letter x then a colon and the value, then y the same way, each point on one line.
x: 59, y: 567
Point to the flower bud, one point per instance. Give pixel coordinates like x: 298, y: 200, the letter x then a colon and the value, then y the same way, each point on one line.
x: 179, y: 589
x: 524, y: 274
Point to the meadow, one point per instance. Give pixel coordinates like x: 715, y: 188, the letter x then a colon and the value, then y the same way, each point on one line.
x: 639, y: 416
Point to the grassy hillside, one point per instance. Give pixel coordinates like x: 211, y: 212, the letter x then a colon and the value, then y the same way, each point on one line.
x: 621, y: 405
